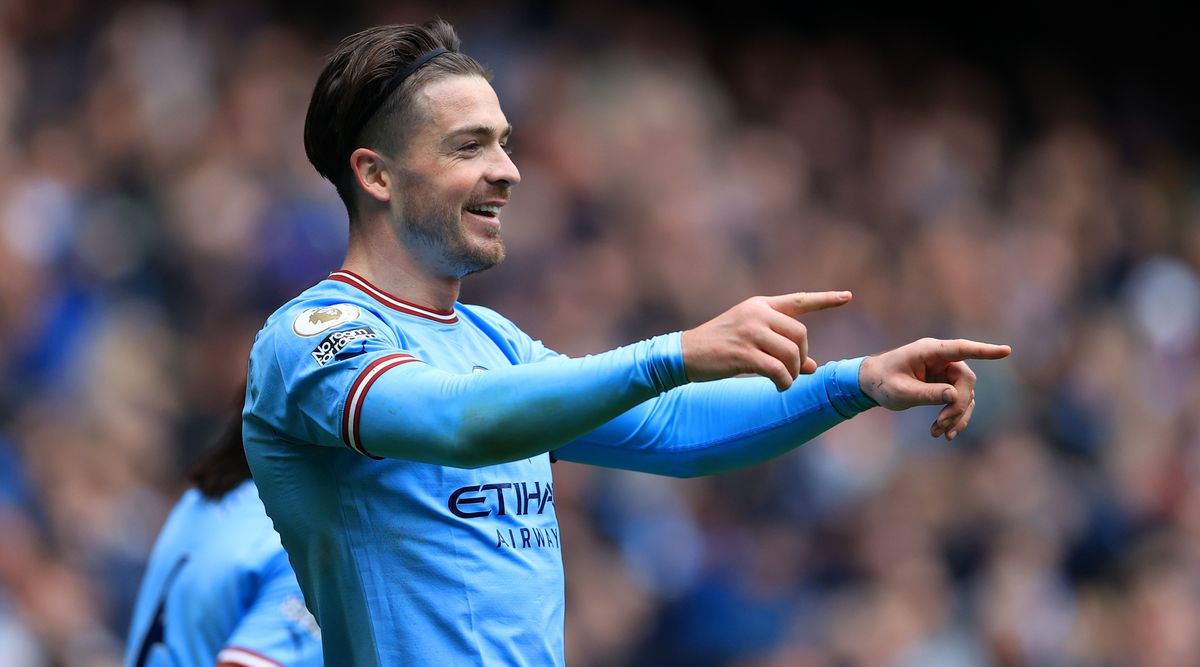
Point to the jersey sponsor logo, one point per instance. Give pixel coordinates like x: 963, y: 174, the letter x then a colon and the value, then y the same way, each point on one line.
x: 154, y: 641
x: 293, y: 609
x: 478, y: 369
x: 331, y: 346
x: 517, y: 498
x: 527, y: 538
x: 312, y: 321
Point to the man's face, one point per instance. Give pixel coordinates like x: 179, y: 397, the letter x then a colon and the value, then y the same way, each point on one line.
x: 453, y: 177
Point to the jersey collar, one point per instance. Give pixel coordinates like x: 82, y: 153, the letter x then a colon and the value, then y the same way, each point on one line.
x: 357, y: 281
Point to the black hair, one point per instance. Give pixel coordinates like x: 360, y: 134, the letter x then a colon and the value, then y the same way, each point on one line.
x: 223, y: 466
x: 353, y: 102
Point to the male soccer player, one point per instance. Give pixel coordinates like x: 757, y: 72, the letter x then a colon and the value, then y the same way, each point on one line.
x: 402, y: 441
x: 219, y: 589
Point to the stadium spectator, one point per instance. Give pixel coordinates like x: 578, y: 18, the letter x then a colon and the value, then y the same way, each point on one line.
x: 155, y: 206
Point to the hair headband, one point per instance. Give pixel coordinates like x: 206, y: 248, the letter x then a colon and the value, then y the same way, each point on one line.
x: 394, y: 83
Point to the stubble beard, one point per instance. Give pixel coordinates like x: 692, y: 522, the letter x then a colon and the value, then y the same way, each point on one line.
x: 439, y: 240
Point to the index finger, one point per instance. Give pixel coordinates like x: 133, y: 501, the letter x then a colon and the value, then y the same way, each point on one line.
x: 960, y: 349
x: 798, y: 303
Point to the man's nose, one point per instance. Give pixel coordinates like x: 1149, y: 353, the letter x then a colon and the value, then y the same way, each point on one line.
x: 503, y: 170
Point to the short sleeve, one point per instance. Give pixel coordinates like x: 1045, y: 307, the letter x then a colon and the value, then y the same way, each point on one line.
x: 311, y: 366
x: 277, y: 629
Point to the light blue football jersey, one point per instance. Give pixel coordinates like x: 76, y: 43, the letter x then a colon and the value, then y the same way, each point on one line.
x: 219, y: 584
x: 406, y: 562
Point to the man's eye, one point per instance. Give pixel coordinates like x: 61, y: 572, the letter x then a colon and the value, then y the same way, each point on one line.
x: 506, y: 148
x: 469, y: 148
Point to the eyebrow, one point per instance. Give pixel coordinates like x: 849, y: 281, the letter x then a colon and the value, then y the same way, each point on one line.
x: 484, y: 131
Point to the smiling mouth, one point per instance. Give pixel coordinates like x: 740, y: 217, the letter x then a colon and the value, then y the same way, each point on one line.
x: 485, y: 211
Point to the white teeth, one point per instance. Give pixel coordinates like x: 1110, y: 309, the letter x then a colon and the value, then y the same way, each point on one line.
x: 485, y: 209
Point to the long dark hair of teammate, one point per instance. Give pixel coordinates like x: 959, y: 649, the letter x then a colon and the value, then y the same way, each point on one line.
x: 223, y: 467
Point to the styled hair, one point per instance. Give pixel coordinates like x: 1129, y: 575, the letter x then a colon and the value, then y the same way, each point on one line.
x: 223, y: 466
x: 353, y: 104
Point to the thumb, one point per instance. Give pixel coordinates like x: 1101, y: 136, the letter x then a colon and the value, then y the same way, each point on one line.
x: 910, y: 391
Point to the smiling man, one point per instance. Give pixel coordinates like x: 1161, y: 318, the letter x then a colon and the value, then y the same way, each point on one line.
x: 402, y: 441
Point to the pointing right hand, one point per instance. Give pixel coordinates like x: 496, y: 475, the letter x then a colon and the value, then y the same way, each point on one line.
x: 759, y: 335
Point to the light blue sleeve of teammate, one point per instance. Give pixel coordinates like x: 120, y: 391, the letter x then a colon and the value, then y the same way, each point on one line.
x: 358, y: 386
x: 277, y: 629
x: 707, y: 428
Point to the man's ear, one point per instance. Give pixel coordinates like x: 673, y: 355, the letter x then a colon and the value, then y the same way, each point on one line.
x: 372, y: 173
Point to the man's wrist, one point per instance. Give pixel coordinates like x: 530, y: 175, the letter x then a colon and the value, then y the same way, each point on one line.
x: 663, y: 361
x: 844, y: 387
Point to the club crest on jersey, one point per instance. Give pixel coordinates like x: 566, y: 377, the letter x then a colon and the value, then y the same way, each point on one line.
x: 312, y: 321
x: 478, y: 369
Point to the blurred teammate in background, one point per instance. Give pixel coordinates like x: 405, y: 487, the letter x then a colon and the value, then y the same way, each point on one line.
x: 402, y: 441
x: 218, y: 589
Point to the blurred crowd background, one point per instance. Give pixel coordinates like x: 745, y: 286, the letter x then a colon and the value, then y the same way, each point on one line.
x: 156, y: 205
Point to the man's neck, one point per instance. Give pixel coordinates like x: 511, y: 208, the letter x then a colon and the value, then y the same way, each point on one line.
x: 390, y: 267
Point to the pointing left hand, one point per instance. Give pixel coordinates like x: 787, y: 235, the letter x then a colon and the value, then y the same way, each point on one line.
x: 929, y: 372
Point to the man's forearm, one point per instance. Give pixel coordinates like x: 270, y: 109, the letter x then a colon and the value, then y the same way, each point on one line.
x: 711, y: 427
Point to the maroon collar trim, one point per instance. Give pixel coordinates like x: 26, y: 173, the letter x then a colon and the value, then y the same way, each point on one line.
x: 355, y: 280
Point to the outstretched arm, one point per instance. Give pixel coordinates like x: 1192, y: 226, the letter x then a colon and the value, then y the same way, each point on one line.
x: 711, y: 428
x: 400, y: 408
x: 703, y: 429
